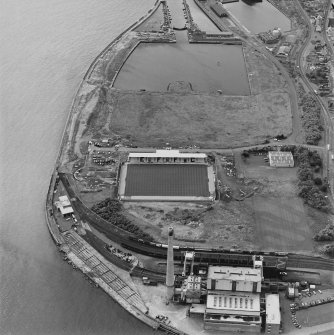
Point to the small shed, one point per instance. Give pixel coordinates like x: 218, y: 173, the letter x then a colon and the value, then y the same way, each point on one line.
x: 281, y: 159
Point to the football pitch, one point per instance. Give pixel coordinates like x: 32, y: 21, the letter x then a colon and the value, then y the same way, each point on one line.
x: 167, y: 180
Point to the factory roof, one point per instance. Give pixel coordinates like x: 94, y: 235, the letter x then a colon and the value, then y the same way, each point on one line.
x: 272, y: 309
x: 234, y: 273
x: 167, y: 153
x: 233, y: 302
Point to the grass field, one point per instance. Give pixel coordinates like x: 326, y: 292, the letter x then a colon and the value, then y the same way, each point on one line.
x: 167, y: 180
x: 210, y: 121
x: 281, y: 224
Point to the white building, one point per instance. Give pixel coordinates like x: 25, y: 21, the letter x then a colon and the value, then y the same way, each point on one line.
x: 233, y: 311
x: 64, y: 206
x: 273, y: 315
x: 281, y: 159
x: 233, y: 299
x: 234, y: 279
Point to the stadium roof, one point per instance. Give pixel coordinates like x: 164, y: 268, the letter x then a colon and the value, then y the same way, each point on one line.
x: 167, y: 153
x: 234, y: 273
x: 272, y: 309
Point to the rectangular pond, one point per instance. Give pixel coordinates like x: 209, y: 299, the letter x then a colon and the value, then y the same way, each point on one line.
x: 207, y: 68
x: 258, y: 17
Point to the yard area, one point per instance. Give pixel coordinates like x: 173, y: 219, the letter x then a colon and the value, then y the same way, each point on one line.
x: 281, y: 224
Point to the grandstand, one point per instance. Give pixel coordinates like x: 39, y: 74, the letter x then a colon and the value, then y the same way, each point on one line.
x: 166, y: 175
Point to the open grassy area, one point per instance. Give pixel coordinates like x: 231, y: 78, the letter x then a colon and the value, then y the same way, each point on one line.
x: 281, y: 224
x: 167, y: 180
x: 210, y: 121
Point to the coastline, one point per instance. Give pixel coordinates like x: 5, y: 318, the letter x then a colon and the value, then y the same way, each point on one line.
x: 55, y: 233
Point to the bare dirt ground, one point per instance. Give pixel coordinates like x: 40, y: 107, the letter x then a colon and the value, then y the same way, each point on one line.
x: 194, y: 223
x: 210, y: 121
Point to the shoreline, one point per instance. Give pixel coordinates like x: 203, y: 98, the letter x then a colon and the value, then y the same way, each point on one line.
x: 49, y: 216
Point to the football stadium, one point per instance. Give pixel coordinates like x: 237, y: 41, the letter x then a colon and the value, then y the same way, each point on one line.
x: 166, y: 175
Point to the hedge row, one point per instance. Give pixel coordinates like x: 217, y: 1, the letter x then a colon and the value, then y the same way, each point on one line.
x: 310, y: 188
x: 311, y: 119
x: 111, y: 211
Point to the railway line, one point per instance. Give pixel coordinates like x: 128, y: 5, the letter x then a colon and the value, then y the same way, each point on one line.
x: 230, y: 257
x: 309, y: 262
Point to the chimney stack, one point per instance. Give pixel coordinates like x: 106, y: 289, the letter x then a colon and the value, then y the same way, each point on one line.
x: 170, y: 266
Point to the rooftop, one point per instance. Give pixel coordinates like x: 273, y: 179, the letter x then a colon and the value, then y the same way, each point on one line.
x: 64, y: 210
x: 272, y: 309
x: 63, y: 200
x: 234, y: 273
x: 167, y: 153
x: 233, y: 302
x: 280, y: 157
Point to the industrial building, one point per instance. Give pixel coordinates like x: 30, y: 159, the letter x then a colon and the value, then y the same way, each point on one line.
x: 228, y: 298
x: 166, y: 175
x: 280, y: 159
x: 233, y: 299
x: 273, y: 315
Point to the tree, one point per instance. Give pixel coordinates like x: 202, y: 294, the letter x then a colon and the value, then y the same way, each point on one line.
x: 317, y: 181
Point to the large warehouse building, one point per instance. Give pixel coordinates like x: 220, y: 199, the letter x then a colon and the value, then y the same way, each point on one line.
x: 233, y: 300
x: 166, y: 175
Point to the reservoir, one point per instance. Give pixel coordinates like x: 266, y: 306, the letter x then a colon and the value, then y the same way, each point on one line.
x: 258, y: 16
x: 207, y: 67
x: 46, y: 47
